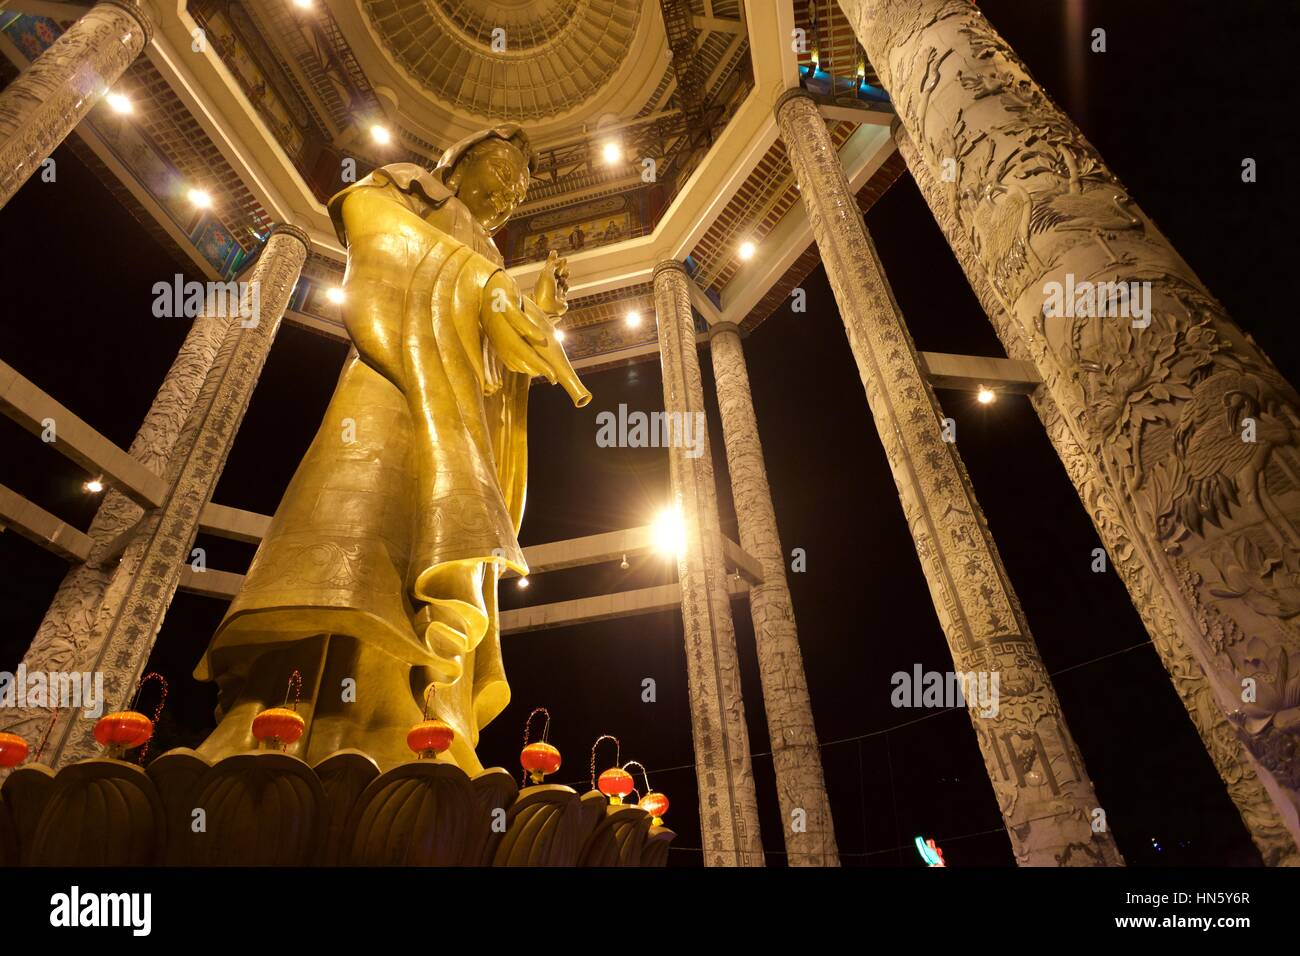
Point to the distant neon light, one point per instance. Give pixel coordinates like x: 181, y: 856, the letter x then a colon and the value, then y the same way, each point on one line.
x: 930, y: 853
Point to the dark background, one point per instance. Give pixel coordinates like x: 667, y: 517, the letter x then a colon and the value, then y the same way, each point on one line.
x: 1183, y: 93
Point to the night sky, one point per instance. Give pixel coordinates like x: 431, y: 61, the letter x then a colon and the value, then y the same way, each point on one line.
x: 1184, y: 92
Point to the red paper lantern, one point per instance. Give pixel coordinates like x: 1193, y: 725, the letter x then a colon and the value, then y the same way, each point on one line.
x: 430, y: 737
x: 279, y: 725
x: 539, y: 759
x: 655, y: 804
x: 13, y: 750
x: 122, y: 731
x: 615, y: 784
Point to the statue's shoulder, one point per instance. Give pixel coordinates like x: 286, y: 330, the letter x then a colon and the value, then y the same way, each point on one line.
x: 408, y: 178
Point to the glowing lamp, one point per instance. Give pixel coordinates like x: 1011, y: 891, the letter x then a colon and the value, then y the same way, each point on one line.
x: 655, y: 804
x: 279, y: 726
x: 13, y: 750
x: 122, y: 731
x: 539, y: 759
x: 615, y: 784
x: 430, y: 737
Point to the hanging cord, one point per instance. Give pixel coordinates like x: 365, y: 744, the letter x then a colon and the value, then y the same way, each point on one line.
x: 135, y: 704
x: 295, y: 687
x: 645, y: 775
x: 546, y: 733
x: 617, y: 748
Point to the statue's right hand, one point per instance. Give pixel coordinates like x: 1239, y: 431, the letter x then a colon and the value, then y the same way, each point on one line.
x: 518, y: 338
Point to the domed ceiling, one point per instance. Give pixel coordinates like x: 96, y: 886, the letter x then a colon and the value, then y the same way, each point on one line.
x: 521, y: 59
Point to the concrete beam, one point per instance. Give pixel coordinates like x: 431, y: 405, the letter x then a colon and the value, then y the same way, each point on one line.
x: 604, y: 607
x: 31, y: 408
x: 42, y: 528
x: 233, y: 523
x: 214, y: 584
x: 857, y: 114
x: 968, y: 373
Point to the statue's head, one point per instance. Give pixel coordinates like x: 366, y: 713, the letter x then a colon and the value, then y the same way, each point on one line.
x: 489, y: 173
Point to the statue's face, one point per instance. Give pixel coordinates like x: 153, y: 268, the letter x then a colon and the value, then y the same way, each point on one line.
x: 491, y: 180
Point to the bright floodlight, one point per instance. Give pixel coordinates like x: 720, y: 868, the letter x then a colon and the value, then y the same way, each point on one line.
x: 523, y: 583
x: 559, y: 335
x: 669, y: 532
x: 985, y: 396
x: 200, y: 198
x: 303, y: 4
x: 94, y: 486
x: 634, y: 318
x: 335, y: 295
x: 746, y: 251
x: 612, y: 153
x: 119, y: 103
x: 381, y: 135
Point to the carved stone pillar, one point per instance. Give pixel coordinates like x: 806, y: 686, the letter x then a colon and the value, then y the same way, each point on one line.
x: 41, y: 107
x: 1190, y: 427
x: 139, y: 593
x: 728, y: 806
x: 62, y: 642
x: 795, y: 752
x: 1171, y: 629
x: 1042, y: 787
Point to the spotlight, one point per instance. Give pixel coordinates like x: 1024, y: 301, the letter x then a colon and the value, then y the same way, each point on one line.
x: 746, y: 251
x: 985, y: 396
x: 303, y: 4
x: 94, y: 486
x: 120, y: 103
x: 669, y: 532
x: 633, y: 318
x: 381, y: 135
x: 335, y: 295
x: 559, y: 335
x: 200, y: 198
x: 522, y: 583
x: 612, y: 153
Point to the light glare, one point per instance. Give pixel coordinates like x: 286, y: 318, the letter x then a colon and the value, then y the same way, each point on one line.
x: 669, y: 533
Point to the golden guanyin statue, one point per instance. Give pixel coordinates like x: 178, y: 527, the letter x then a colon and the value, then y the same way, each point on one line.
x: 378, y: 576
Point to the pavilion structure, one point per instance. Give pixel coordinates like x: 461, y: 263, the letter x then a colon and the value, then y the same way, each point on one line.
x: 696, y: 159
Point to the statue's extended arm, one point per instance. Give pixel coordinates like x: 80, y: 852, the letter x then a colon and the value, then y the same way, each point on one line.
x: 523, y: 335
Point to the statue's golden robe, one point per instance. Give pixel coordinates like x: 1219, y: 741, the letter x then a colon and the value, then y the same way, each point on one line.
x: 381, y: 563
